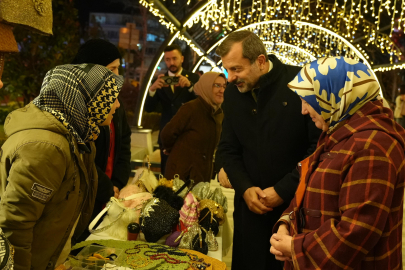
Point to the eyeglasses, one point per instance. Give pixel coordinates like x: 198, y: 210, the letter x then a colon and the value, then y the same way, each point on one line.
x: 218, y: 85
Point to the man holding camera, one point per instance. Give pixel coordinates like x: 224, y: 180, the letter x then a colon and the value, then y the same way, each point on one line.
x: 171, y: 90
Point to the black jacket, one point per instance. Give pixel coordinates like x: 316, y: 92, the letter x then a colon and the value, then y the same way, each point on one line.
x: 261, y: 144
x: 170, y: 101
x: 122, y: 158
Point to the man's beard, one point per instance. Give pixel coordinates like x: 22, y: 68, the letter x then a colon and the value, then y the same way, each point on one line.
x: 246, y: 86
x: 176, y: 69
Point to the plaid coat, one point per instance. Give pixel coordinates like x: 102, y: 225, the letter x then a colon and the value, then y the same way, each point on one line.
x: 350, y: 214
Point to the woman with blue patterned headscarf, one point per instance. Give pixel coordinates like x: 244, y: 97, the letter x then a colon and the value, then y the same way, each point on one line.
x: 335, y: 88
x: 347, y: 210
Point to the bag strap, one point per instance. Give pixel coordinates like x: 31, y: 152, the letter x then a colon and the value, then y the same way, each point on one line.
x: 112, y: 200
x: 98, y: 217
x: 133, y: 196
x: 148, y: 162
x: 186, y: 183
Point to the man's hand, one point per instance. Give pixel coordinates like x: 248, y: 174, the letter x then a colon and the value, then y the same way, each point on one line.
x: 183, y: 81
x: 223, y: 179
x: 116, y: 192
x: 252, y: 198
x: 272, y: 199
x: 159, y: 83
x: 165, y: 152
x: 281, y: 244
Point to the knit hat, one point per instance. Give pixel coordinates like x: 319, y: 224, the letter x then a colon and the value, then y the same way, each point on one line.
x: 97, y: 51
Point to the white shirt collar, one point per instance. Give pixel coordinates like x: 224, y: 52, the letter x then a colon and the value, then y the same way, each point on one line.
x: 178, y: 73
x: 270, y: 66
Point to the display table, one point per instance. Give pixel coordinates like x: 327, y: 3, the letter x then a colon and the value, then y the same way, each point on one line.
x: 105, y: 236
x: 139, y: 255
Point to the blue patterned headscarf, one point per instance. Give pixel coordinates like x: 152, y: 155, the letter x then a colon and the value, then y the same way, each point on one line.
x: 335, y: 87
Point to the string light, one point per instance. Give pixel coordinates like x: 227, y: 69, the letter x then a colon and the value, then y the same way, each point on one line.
x: 389, y: 67
x: 316, y: 27
x: 191, y: 44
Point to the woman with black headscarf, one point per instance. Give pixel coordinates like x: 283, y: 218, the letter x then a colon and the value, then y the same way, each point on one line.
x: 113, y: 145
x: 47, y: 173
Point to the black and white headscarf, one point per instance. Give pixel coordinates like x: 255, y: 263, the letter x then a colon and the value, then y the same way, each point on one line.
x: 80, y: 97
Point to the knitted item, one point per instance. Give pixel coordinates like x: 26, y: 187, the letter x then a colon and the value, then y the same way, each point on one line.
x: 167, y: 194
x: 189, y: 211
x: 97, y: 51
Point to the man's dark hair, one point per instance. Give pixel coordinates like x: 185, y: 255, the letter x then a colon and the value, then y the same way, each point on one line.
x: 252, y: 45
x: 172, y: 48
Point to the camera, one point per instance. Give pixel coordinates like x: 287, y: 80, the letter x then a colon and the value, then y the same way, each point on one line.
x: 170, y: 80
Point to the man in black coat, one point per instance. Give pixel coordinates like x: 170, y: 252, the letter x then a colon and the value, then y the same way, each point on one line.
x: 171, y: 97
x: 264, y: 136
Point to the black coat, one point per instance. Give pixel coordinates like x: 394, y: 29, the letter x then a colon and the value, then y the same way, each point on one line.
x: 261, y: 144
x: 170, y: 101
x: 122, y: 158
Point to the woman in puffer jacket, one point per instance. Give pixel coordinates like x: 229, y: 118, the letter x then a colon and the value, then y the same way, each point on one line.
x: 47, y: 173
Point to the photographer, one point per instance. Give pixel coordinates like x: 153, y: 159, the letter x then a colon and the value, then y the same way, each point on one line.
x: 168, y: 93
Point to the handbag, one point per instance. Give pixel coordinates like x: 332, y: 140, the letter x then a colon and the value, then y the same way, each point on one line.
x: 207, y: 223
x: 215, y: 210
x: 196, y: 239
x: 202, y: 191
x: 146, y: 179
x: 119, y: 216
x: 158, y: 219
x: 218, y: 197
x: 170, y: 196
x: 189, y: 211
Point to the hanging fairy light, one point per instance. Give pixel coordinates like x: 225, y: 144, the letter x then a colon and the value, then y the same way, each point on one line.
x: 389, y: 67
x: 317, y: 27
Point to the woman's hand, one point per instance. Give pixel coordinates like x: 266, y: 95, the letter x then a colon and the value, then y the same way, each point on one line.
x: 281, y: 244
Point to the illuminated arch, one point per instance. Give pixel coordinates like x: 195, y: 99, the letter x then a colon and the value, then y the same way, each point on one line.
x: 298, y: 24
x: 304, y: 46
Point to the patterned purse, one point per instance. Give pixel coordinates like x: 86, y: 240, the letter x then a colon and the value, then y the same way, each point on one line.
x: 189, y: 211
x: 215, y: 210
x: 195, y: 238
x: 158, y: 219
